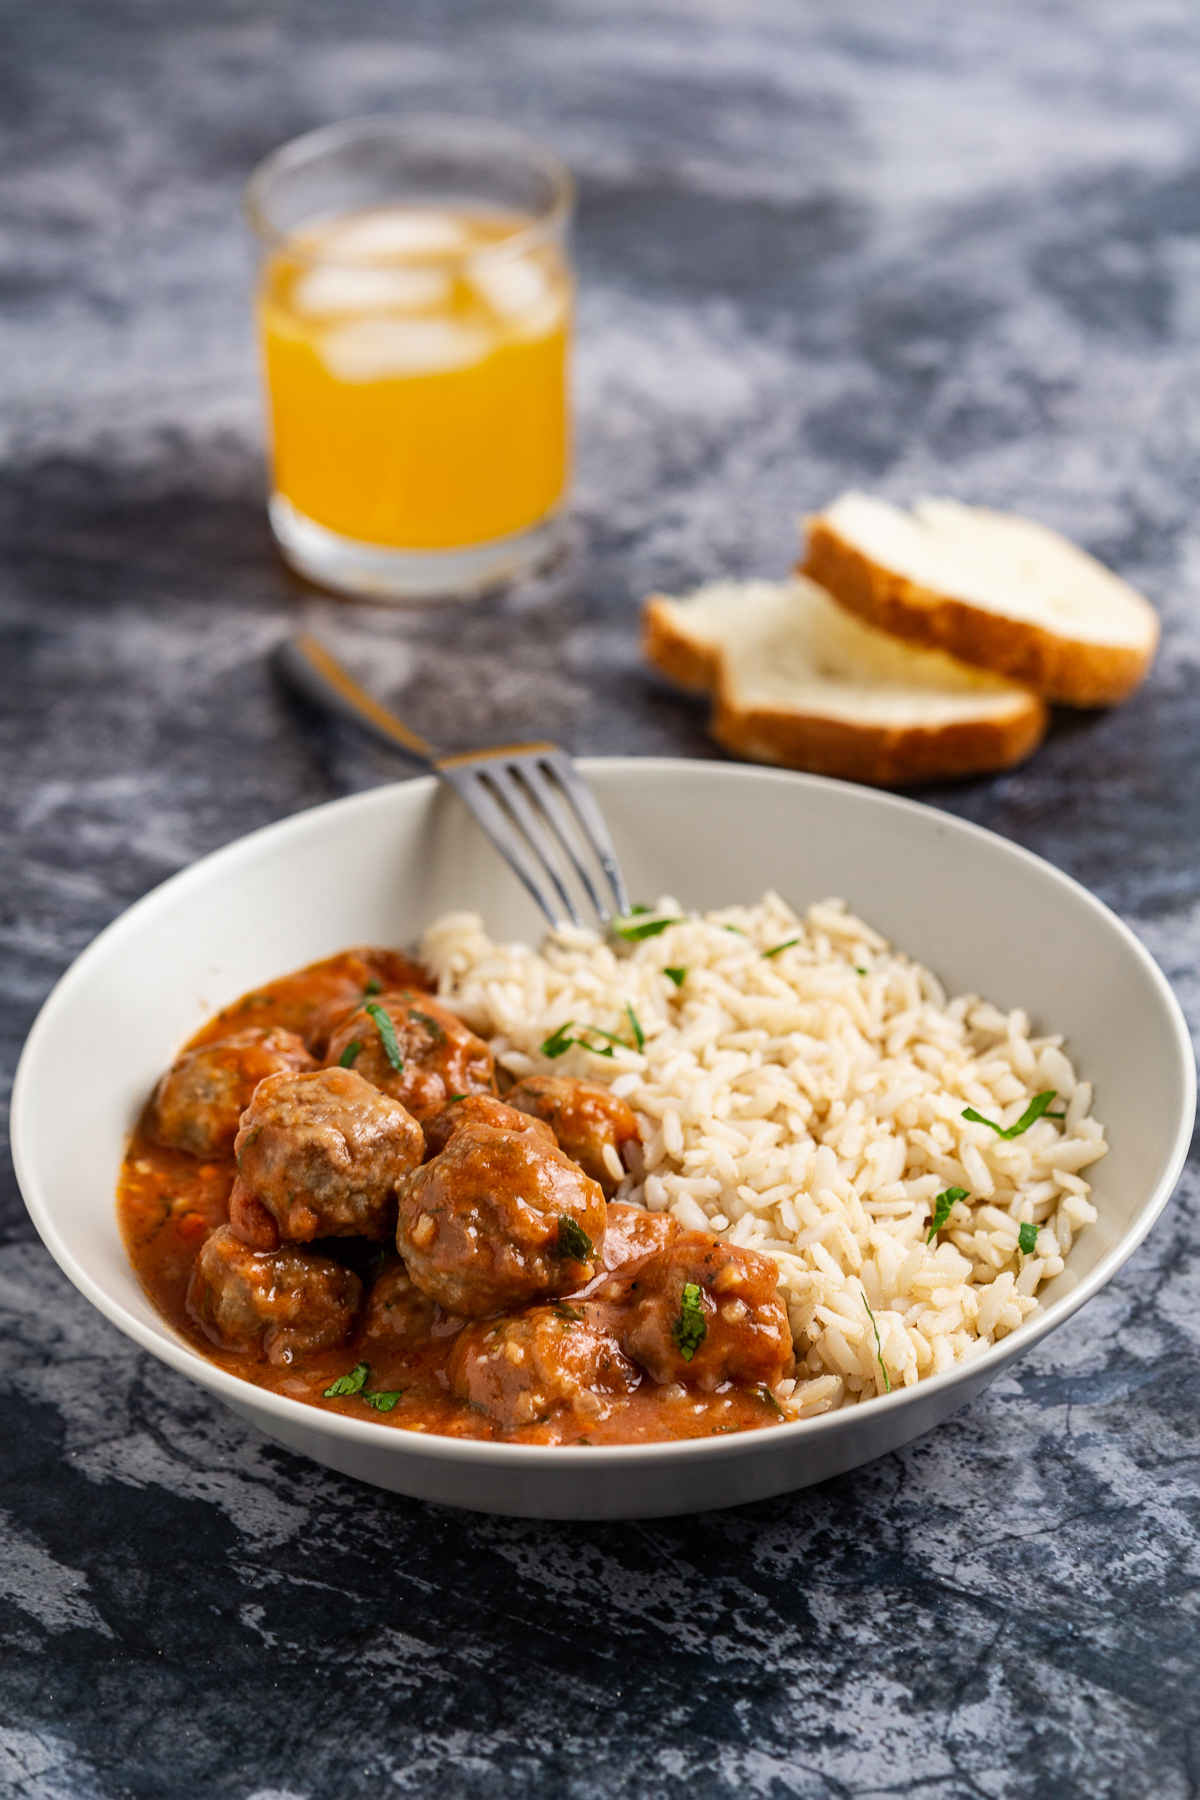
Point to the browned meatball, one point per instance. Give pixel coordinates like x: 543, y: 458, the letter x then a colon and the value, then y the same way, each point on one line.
x: 200, y: 1099
x: 702, y: 1312
x: 546, y: 1361
x: 321, y: 1153
x: 399, y: 1314
x: 437, y: 1056
x: 497, y: 1219
x: 633, y: 1234
x: 586, y: 1119
x: 478, y: 1109
x: 278, y: 1305
x: 325, y: 995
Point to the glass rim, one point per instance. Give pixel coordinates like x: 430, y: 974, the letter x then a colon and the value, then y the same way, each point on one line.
x: 326, y: 139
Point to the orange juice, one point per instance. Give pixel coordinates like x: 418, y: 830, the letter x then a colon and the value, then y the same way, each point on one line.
x: 416, y: 369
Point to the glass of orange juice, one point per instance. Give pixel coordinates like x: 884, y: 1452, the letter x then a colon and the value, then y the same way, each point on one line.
x: 414, y: 310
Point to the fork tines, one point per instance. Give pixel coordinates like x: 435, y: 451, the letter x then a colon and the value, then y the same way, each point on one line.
x: 543, y: 819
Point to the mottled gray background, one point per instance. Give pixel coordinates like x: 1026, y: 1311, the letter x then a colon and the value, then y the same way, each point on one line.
x: 929, y: 245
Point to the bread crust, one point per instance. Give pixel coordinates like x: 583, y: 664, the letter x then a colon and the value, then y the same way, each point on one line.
x: 1066, y: 670
x: 879, y: 755
x: 672, y: 652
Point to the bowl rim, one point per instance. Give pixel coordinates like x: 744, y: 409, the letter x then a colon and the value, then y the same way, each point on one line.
x: 247, y: 1397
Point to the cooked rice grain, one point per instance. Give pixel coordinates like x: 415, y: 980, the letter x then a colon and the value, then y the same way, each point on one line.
x: 809, y: 1104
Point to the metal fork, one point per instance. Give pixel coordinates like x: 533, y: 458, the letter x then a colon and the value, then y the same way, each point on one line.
x: 529, y: 798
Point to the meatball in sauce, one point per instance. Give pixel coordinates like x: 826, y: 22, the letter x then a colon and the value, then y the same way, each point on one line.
x: 399, y: 1243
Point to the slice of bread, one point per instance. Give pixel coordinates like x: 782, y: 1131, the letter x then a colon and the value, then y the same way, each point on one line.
x: 796, y: 680
x: 993, y: 589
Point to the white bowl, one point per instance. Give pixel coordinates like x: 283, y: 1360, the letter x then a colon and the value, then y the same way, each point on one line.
x: 985, y: 915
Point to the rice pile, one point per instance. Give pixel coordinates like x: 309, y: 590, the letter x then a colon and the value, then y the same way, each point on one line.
x: 808, y: 1104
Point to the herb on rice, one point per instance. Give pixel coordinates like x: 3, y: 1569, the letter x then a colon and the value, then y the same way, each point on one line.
x: 636, y: 929
x: 387, y: 1034
x: 1037, y: 1106
x: 778, y: 949
x: 887, y: 1380
x: 768, y: 1399
x: 573, y: 1240
x: 678, y: 976
x: 691, y: 1327
x: 639, y: 1036
x: 1027, y: 1238
x: 859, y: 970
x: 560, y: 1041
x: 943, y: 1206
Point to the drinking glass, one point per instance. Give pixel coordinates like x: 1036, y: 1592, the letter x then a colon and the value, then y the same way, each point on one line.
x: 414, y: 310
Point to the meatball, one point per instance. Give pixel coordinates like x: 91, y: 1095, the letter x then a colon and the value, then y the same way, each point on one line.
x: 321, y: 1152
x: 399, y: 1314
x: 547, y: 1361
x: 499, y: 1218
x: 586, y: 1119
x: 200, y: 1099
x: 632, y: 1234
x: 702, y: 1312
x: 478, y: 1109
x: 278, y: 1305
x: 431, y: 1056
x: 325, y: 995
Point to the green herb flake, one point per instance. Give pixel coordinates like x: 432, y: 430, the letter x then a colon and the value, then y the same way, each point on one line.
x: 778, y: 949
x: 943, y: 1206
x: 736, y: 929
x: 351, y: 1383
x: 559, y: 1042
x: 387, y: 1034
x: 451, y: 1098
x: 1037, y: 1106
x: 569, y: 1313
x: 636, y: 930
x: 691, y: 1327
x: 887, y: 1380
x: 383, y: 1402
x: 678, y: 976
x: 573, y: 1240
x: 346, y: 1059
x: 639, y: 1036
x: 373, y: 987
x: 1027, y: 1238
x: 432, y: 1026
x: 768, y: 1399
x: 859, y: 970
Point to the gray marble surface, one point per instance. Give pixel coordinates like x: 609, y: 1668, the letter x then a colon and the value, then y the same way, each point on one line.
x: 911, y: 247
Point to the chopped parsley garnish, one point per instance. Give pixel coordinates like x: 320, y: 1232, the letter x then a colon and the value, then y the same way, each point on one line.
x: 691, y: 1327
x: 346, y: 1059
x: 573, y: 1240
x: 736, y: 929
x: 383, y: 1402
x: 768, y: 1399
x: 639, y: 1036
x: 355, y: 1382
x: 943, y: 1206
x: 429, y: 1022
x: 1037, y: 1106
x: 1027, y: 1239
x: 387, y: 1034
x: 567, y: 1312
x: 859, y: 970
x: 351, y: 1383
x: 372, y: 987
x: 451, y: 1098
x: 678, y: 976
x: 887, y: 1380
x: 635, y: 929
x: 560, y: 1041
x: 778, y: 949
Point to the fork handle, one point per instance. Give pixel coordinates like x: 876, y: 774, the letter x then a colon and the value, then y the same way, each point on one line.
x: 307, y: 667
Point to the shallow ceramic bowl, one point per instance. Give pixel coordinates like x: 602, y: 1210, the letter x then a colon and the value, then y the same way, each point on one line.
x: 986, y: 916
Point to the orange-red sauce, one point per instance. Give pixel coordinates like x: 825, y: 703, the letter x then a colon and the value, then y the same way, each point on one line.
x: 168, y: 1202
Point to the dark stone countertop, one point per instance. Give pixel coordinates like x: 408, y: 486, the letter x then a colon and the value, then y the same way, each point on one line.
x: 928, y: 247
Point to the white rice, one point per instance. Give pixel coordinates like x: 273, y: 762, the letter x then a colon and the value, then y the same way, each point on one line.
x: 810, y: 1106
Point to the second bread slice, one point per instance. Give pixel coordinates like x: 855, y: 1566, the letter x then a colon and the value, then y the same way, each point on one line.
x: 798, y: 681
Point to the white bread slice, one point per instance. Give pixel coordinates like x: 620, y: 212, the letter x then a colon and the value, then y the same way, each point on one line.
x: 993, y: 589
x: 800, y: 682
